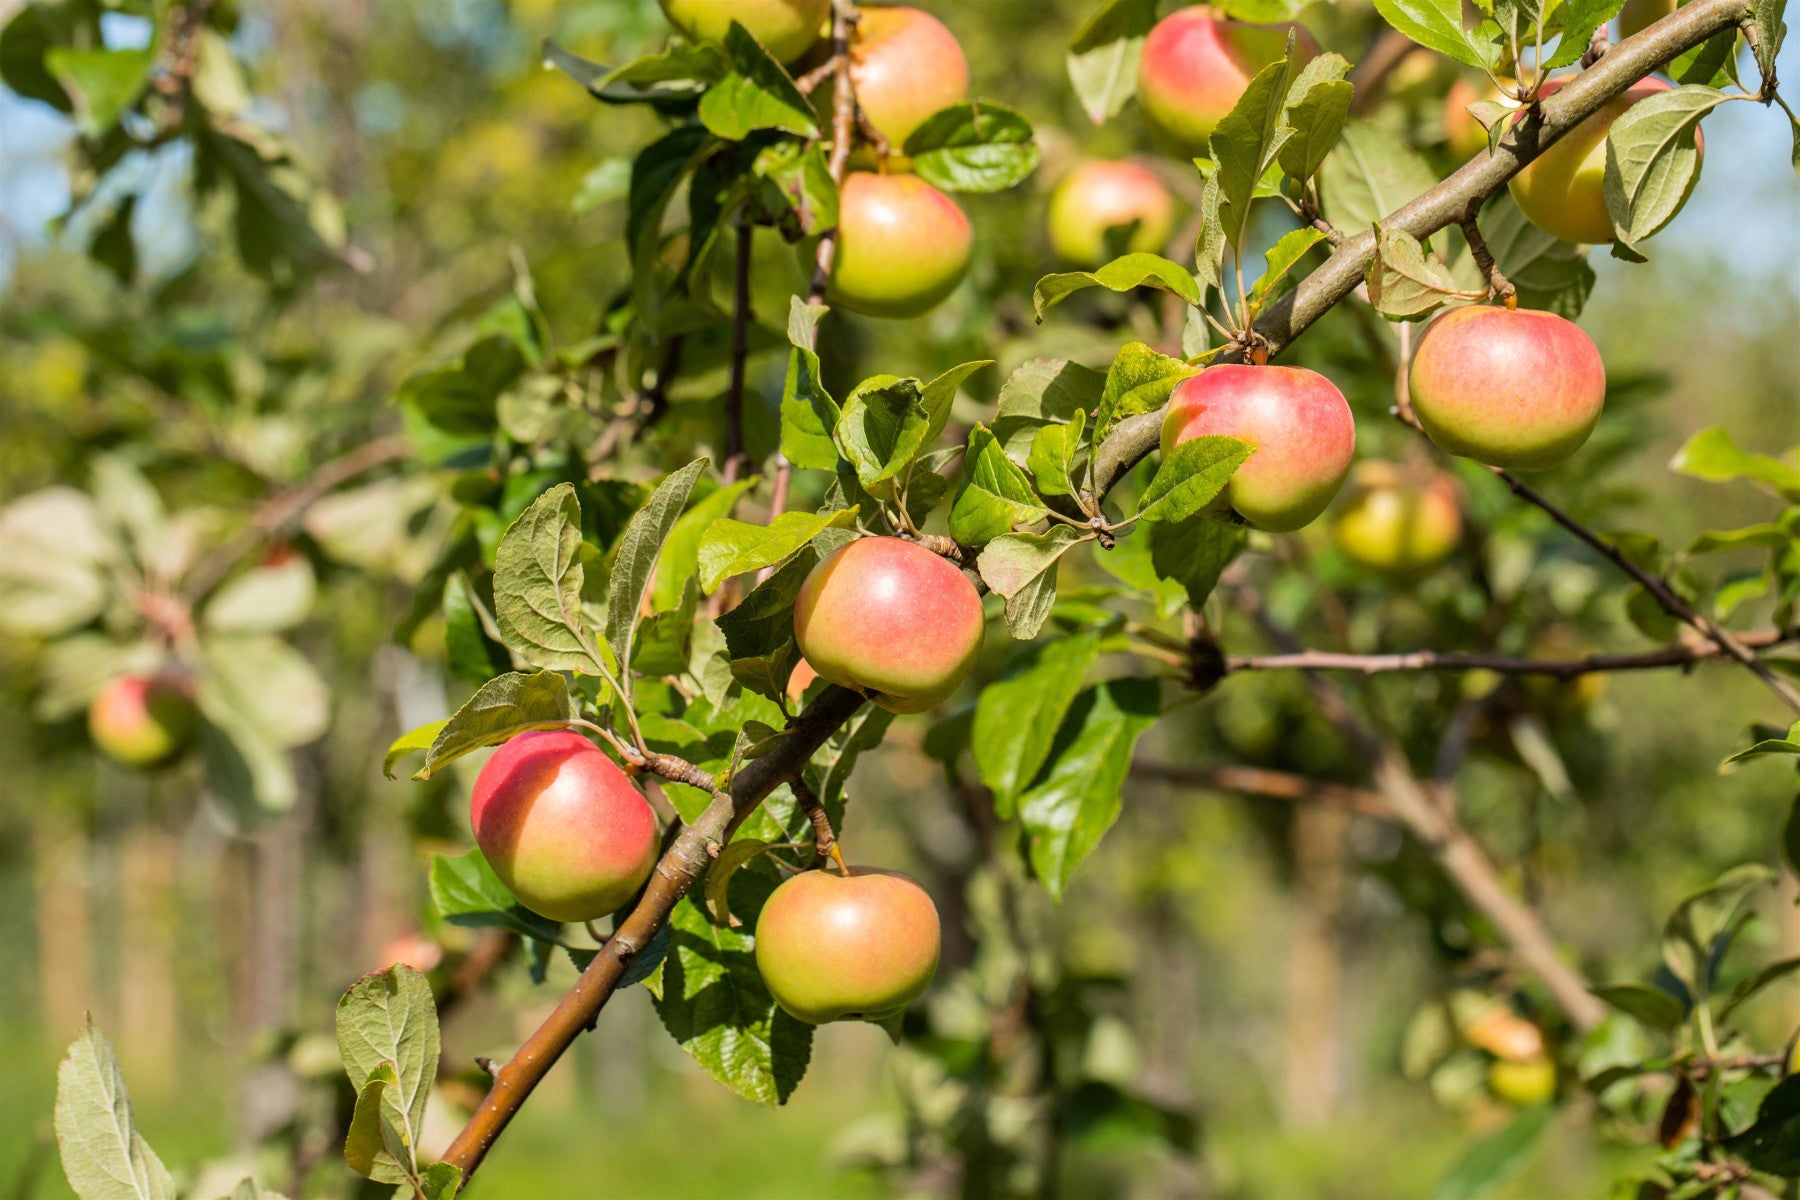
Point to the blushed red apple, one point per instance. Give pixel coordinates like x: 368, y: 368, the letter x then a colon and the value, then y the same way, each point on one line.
x: 905, y: 64
x: 1298, y: 423
x: 888, y: 617
x: 562, y: 826
x: 1397, y: 522
x: 1195, y: 67
x: 144, y: 720
x: 859, y: 947
x: 1519, y: 389
x: 1563, y: 190
x: 786, y: 28
x: 1099, y: 195
x: 902, y: 246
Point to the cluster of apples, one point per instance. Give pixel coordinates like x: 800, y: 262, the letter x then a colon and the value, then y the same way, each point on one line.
x: 902, y: 244
x: 573, y: 839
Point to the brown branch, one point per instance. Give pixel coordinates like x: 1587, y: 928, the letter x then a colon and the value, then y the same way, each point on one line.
x: 676, y: 873
x: 1132, y: 439
x: 1680, y: 654
x: 181, y: 59
x: 843, y: 125
x: 1272, y: 785
x: 287, y: 506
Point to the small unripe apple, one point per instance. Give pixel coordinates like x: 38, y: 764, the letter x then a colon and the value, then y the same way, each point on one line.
x: 1639, y: 15
x: 1510, y: 388
x: 1563, y: 190
x: 1195, y: 67
x: 1398, y: 523
x: 1097, y: 196
x: 786, y: 28
x: 856, y: 947
x: 1524, y: 1084
x: 1298, y: 423
x: 905, y: 65
x: 888, y: 617
x: 562, y: 827
x: 144, y: 720
x: 414, y: 950
x: 902, y: 246
x: 800, y: 680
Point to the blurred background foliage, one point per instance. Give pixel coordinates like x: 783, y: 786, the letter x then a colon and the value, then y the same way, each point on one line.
x: 227, y: 301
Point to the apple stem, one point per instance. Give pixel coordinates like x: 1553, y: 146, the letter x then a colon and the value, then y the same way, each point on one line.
x: 825, y: 843
x: 1498, y: 284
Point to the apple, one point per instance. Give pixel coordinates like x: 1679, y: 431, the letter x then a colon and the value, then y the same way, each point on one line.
x: 856, y: 947
x: 1397, y: 522
x: 413, y: 949
x: 786, y: 28
x: 888, y: 617
x: 904, y: 65
x: 902, y: 246
x: 1509, y: 388
x: 1099, y: 195
x: 1639, y: 15
x: 562, y: 826
x: 1195, y: 67
x: 1298, y: 423
x: 144, y: 720
x: 1524, y: 1084
x: 1563, y: 191
x: 1506, y: 1035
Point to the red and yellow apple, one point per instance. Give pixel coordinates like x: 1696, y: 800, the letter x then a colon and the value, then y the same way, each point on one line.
x: 1563, y: 190
x: 1099, y: 195
x: 1195, y: 67
x: 562, y: 826
x: 1524, y: 1084
x: 888, y: 617
x: 856, y: 947
x: 1505, y: 1034
x: 902, y: 246
x: 786, y: 28
x: 144, y: 720
x: 1509, y: 388
x: 1398, y: 523
x: 1639, y: 15
x: 1298, y: 424
x: 905, y: 65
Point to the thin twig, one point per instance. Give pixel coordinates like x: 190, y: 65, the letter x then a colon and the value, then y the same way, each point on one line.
x: 825, y: 843
x: 843, y: 125
x: 1484, y: 258
x: 1680, y: 654
x: 1274, y: 785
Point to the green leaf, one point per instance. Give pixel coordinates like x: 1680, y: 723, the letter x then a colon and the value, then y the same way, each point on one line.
x: 262, y: 683
x: 1247, y: 140
x: 1404, y: 281
x: 262, y: 599
x: 411, y: 743
x: 734, y: 547
x: 1016, y: 718
x: 634, y: 558
x: 1580, y: 18
x: 1282, y: 257
x: 1104, y: 53
x: 103, y: 1155
x: 763, y: 621
x: 1052, y: 456
x: 1120, y: 275
x: 443, y: 1180
x: 718, y: 877
x: 1496, y: 1158
x: 712, y: 1001
x: 1318, y: 104
x: 466, y: 892
x: 1548, y: 272
x: 1140, y: 381
x: 682, y: 72
x: 537, y: 586
x: 830, y: 767
x: 1370, y: 174
x: 53, y: 574
x: 1744, y: 991
x: 503, y: 708
x: 1711, y: 63
x: 1771, y: 32
x: 681, y: 550
x: 940, y: 395
x: 1653, y: 160
x: 1651, y: 1005
x: 994, y: 496
x: 808, y: 413
x: 975, y: 146
x: 1788, y: 745
x: 473, y: 656
x: 882, y: 430
x: 1190, y: 477
x: 104, y: 84
x: 365, y: 1144
x: 387, y: 1019
x: 1712, y: 455
x: 1772, y: 1143
x: 1022, y: 568
x: 1076, y: 797
x: 1194, y: 553
x: 1436, y: 25
x: 757, y: 94
x: 1694, y: 934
